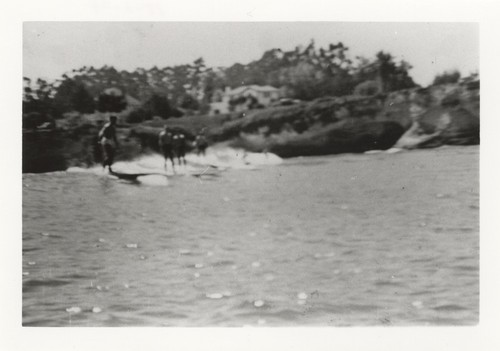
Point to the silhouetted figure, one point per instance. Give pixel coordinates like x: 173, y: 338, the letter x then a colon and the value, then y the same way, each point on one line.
x: 108, y: 141
x: 201, y: 144
x: 179, y: 143
x: 166, y: 146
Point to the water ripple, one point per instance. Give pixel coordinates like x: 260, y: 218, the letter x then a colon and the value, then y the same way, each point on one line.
x: 331, y: 244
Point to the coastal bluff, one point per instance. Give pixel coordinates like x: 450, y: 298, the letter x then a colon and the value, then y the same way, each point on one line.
x: 438, y: 115
x: 413, y: 118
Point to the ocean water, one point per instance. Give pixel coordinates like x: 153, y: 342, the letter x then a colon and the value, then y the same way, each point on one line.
x: 347, y: 240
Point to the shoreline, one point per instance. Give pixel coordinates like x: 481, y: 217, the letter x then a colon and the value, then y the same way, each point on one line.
x: 408, y: 119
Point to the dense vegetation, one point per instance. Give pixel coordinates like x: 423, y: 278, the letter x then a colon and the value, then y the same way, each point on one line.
x: 447, y: 78
x: 305, y: 73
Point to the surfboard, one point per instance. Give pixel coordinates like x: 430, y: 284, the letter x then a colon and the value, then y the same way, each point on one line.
x: 204, y: 173
x: 132, y: 176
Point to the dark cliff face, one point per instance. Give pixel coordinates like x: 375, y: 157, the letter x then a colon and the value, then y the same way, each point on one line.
x: 358, y: 124
x: 356, y: 137
x: 443, y: 115
x: 43, y: 152
x: 58, y: 149
x: 462, y: 126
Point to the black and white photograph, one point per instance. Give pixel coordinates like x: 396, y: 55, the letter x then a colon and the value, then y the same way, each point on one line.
x: 250, y: 175
x: 175, y: 174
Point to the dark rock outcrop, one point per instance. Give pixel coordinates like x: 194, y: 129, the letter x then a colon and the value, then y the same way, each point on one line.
x: 443, y: 115
x: 43, y: 151
x: 341, y: 138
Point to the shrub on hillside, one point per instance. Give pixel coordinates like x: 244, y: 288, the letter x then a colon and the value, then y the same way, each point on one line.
x: 157, y: 105
x: 73, y: 96
x: 136, y: 116
x: 447, y: 78
x: 33, y: 120
x: 451, y: 100
x: 111, y: 100
x: 367, y: 88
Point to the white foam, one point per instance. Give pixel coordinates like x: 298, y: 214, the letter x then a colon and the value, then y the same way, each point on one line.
x: 302, y: 296
x: 217, y: 159
x: 226, y: 157
x: 94, y: 170
x: 152, y: 162
x: 393, y: 150
x: 264, y: 159
x: 153, y: 180
x: 146, y: 164
x: 372, y: 152
x: 74, y: 309
x: 258, y: 303
x: 215, y: 296
x: 76, y: 170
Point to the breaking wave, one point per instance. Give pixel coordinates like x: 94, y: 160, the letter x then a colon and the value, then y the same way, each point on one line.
x: 216, y: 160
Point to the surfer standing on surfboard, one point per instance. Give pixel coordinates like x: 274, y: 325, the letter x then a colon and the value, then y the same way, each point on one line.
x: 108, y: 142
x: 166, y: 146
x: 201, y: 143
x: 179, y: 144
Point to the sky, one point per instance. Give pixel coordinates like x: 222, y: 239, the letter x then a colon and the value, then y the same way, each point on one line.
x: 53, y: 48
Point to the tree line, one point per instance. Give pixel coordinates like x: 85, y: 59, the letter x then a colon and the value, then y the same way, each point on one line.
x: 305, y: 73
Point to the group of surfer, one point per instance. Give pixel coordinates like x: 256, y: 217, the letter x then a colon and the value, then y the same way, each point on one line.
x: 172, y: 144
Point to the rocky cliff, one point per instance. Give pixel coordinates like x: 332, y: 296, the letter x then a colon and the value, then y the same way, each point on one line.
x: 438, y: 115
